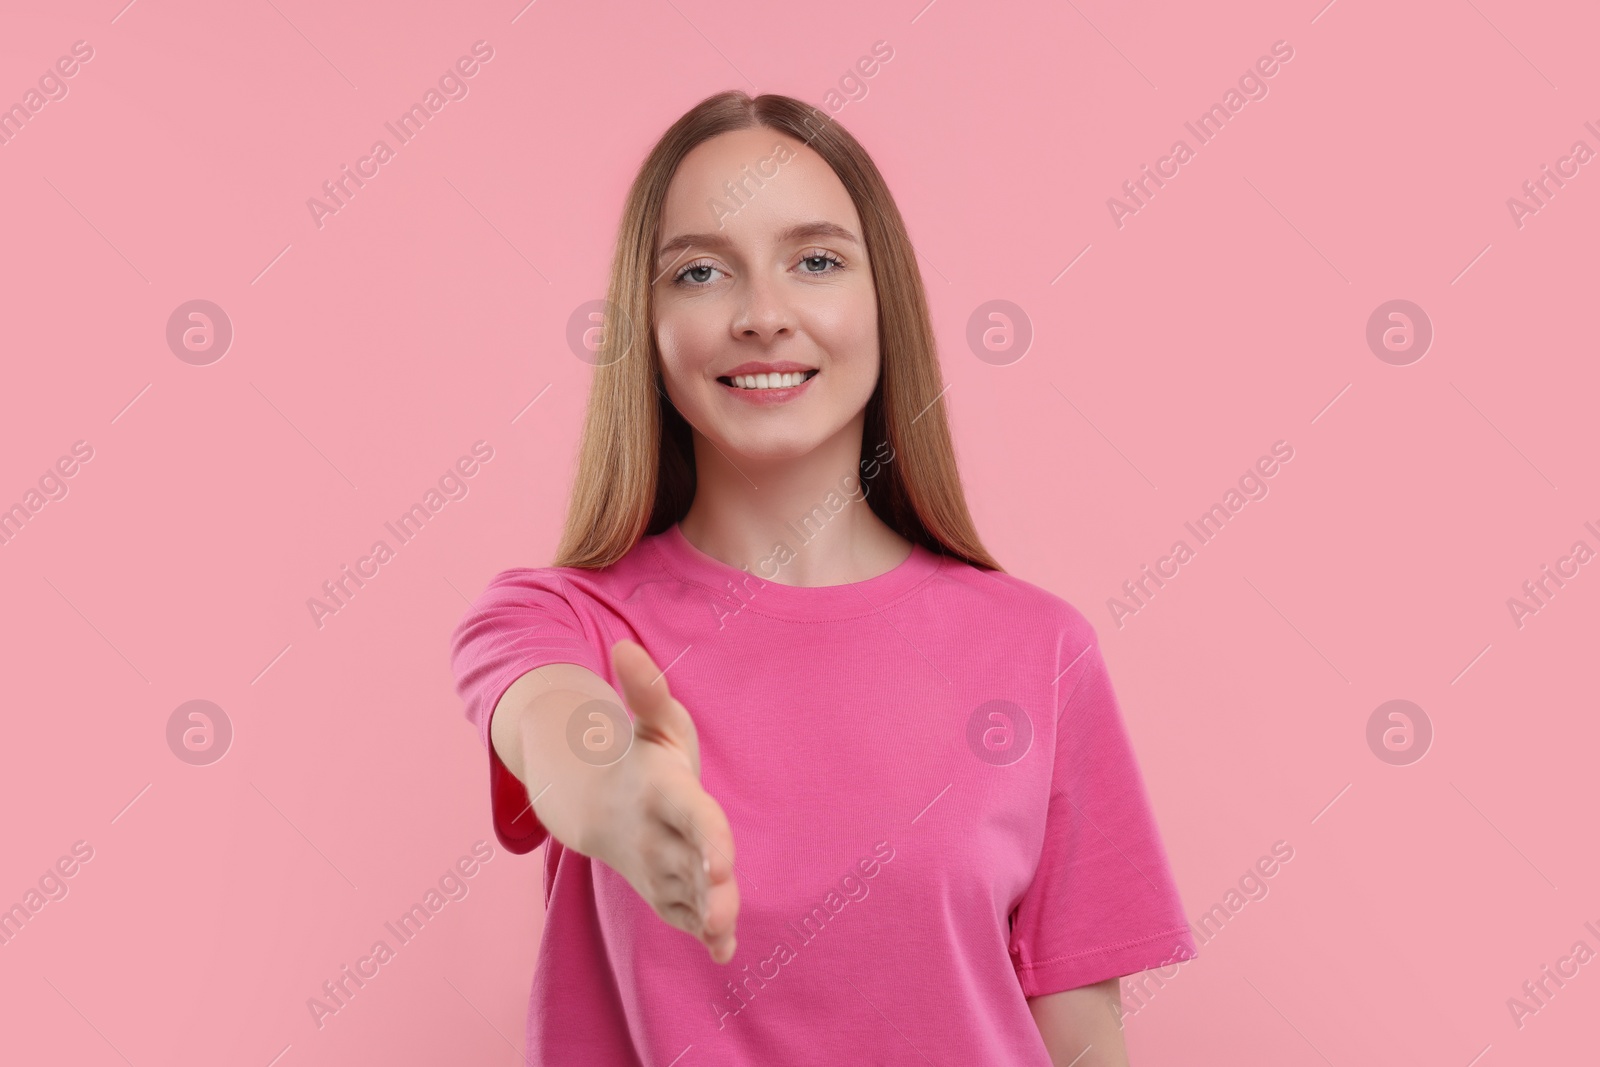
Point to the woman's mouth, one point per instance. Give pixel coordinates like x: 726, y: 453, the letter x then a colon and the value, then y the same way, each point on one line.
x: 767, y: 388
x: 766, y: 381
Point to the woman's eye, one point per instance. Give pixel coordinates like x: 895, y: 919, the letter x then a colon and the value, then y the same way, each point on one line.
x: 695, y: 273
x: 819, y: 259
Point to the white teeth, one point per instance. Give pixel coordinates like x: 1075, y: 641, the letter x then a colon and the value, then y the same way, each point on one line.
x: 768, y: 381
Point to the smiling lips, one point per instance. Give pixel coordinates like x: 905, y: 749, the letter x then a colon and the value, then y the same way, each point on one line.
x: 768, y: 383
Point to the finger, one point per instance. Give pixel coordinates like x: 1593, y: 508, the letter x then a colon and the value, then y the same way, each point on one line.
x: 644, y: 686
x: 670, y: 807
x: 673, y: 874
x: 722, y: 913
x: 681, y: 879
x: 679, y: 803
x: 716, y: 838
x: 694, y: 864
x: 657, y: 715
x: 722, y: 887
x: 681, y: 916
x: 677, y: 887
x: 699, y: 820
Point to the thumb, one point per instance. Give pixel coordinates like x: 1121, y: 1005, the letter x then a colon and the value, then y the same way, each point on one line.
x: 644, y: 687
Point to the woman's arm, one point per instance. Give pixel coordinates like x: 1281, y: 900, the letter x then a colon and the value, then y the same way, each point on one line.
x: 1082, y: 1027
x: 528, y: 729
x: 645, y: 815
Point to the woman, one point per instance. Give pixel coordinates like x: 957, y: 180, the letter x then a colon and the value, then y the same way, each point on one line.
x: 883, y: 784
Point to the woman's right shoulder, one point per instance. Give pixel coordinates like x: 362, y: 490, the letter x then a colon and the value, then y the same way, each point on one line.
x: 571, y: 584
x: 578, y: 587
x: 521, y: 601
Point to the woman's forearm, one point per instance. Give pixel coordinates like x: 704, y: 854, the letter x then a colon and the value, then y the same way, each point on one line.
x: 1082, y: 1027
x: 529, y: 733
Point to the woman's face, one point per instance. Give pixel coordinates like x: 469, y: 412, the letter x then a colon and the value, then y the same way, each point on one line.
x: 762, y: 271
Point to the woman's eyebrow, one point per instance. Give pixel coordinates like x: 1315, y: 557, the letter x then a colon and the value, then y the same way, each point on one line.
x: 793, y: 233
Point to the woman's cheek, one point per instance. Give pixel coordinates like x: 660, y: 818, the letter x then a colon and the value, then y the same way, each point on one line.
x: 675, y: 345
x: 681, y: 371
x: 848, y: 330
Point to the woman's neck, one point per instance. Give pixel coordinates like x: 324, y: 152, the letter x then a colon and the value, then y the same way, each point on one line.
x: 814, y: 504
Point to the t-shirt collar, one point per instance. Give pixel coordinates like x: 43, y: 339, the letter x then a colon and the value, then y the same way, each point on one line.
x: 754, y: 590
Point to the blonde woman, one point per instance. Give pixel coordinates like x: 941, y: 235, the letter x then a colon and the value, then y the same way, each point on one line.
x: 774, y: 693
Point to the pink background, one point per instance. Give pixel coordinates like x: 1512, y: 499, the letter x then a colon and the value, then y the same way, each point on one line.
x: 369, y: 354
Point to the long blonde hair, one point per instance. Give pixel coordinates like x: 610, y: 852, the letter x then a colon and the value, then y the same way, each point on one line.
x: 636, y: 473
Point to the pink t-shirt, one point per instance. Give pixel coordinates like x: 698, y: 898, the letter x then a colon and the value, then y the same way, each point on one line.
x: 936, y: 811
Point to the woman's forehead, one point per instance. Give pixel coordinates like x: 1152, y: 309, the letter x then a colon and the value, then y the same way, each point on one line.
x: 753, y: 183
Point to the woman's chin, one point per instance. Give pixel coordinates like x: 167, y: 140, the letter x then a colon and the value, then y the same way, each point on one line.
x: 765, y: 450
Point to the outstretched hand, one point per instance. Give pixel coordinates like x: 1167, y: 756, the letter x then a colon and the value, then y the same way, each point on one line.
x: 659, y: 828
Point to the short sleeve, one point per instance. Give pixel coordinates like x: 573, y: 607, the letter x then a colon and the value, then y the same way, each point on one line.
x: 1103, y: 902
x: 523, y: 620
